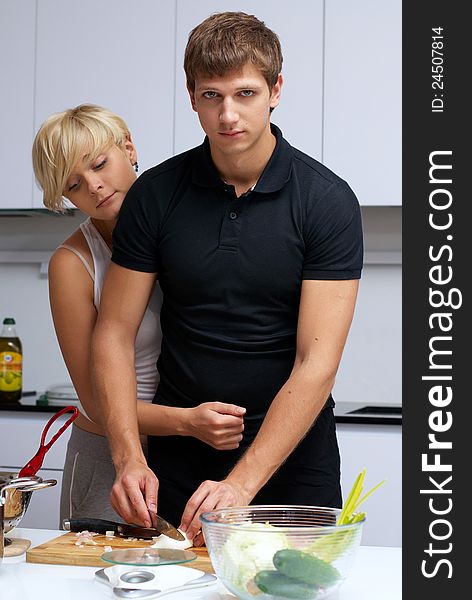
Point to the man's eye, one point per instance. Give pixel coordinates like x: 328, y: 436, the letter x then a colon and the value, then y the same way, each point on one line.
x: 247, y: 93
x: 209, y: 94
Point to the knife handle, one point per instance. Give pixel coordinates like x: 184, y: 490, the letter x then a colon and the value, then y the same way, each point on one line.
x: 95, y: 525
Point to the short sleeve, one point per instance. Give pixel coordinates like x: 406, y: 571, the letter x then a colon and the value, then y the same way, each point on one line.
x: 136, y: 234
x: 333, y: 235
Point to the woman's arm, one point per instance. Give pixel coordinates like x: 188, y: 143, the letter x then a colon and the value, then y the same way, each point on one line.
x: 217, y: 424
x: 74, y: 315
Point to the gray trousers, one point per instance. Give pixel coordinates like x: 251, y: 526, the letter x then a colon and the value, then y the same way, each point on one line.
x: 88, y: 478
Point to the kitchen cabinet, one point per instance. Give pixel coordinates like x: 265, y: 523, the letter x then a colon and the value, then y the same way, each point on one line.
x: 378, y: 449
x: 17, y: 21
x: 341, y: 99
x: 20, y: 435
x: 362, y: 97
x: 299, y: 114
x: 115, y: 53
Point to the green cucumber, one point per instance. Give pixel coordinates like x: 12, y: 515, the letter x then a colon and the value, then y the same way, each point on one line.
x: 305, y: 567
x: 279, y: 585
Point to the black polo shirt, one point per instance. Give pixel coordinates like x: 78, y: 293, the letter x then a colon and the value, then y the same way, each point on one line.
x: 231, y: 271
x: 231, y: 268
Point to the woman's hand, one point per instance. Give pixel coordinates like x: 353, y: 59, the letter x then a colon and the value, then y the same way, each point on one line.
x: 218, y: 424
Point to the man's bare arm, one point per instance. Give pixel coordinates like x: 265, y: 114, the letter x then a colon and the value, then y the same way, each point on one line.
x: 326, y: 311
x: 124, y: 299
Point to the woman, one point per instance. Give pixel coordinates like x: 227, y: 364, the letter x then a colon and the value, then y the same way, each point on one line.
x: 86, y: 155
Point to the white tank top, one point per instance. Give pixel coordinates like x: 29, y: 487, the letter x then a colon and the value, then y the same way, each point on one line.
x: 148, y: 339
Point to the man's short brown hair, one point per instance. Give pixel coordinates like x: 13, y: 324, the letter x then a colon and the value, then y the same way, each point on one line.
x: 226, y: 41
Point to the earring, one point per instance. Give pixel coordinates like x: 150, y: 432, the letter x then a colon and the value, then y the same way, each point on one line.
x: 136, y: 166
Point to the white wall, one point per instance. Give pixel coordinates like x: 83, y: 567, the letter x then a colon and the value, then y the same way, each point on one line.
x: 371, y: 367
x: 378, y: 450
x: 27, y: 302
x: 24, y: 293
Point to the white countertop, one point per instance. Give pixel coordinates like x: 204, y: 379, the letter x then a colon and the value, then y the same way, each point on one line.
x: 376, y: 574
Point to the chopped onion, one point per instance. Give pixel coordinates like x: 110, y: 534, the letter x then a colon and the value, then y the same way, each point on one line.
x: 163, y: 541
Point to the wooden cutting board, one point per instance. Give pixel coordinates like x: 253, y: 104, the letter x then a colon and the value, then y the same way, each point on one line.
x: 16, y: 548
x: 63, y: 551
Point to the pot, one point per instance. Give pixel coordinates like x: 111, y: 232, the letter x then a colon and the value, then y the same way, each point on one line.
x: 15, y: 495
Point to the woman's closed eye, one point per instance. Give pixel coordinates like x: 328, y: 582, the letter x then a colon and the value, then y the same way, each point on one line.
x: 72, y: 187
x: 100, y: 165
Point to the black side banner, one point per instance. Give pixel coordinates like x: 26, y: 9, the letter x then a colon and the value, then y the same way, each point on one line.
x: 437, y: 239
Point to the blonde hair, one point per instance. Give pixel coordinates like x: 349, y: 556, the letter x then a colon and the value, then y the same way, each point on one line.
x: 226, y: 41
x: 62, y: 141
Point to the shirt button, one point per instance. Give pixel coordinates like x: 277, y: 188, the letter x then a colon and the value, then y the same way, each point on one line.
x: 233, y: 215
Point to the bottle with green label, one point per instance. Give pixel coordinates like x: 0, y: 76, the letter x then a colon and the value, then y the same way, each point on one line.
x: 11, y: 359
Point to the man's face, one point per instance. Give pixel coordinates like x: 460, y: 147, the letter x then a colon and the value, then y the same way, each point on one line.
x: 234, y: 110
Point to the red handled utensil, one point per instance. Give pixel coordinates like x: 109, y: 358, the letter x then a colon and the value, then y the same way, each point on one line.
x: 33, y: 466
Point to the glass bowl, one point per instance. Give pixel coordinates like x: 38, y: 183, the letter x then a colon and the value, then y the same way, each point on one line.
x: 280, y: 552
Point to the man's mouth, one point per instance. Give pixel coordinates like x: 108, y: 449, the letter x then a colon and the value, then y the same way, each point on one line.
x: 231, y: 133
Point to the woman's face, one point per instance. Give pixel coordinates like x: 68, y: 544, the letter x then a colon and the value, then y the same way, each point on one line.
x: 98, y: 187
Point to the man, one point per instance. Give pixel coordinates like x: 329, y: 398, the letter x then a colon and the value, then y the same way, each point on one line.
x: 258, y: 250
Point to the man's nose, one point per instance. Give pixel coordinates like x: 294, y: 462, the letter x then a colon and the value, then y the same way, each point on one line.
x: 229, y: 113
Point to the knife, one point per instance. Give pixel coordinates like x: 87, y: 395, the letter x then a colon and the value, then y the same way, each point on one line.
x: 165, y: 527
x: 123, y: 529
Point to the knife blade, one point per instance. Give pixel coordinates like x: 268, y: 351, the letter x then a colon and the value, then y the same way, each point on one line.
x: 165, y: 527
x: 122, y: 529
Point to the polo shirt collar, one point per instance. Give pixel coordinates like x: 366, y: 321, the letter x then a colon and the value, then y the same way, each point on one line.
x: 275, y: 175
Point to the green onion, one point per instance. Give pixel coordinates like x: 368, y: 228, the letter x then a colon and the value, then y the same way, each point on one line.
x: 353, y: 502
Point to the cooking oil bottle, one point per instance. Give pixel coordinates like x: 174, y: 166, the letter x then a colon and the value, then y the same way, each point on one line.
x: 11, y: 359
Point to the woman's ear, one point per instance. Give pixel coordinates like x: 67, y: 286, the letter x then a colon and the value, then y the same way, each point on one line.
x: 130, y: 149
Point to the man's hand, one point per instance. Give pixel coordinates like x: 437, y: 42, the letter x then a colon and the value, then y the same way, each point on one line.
x: 218, y: 424
x: 134, y: 493
x: 210, y: 495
